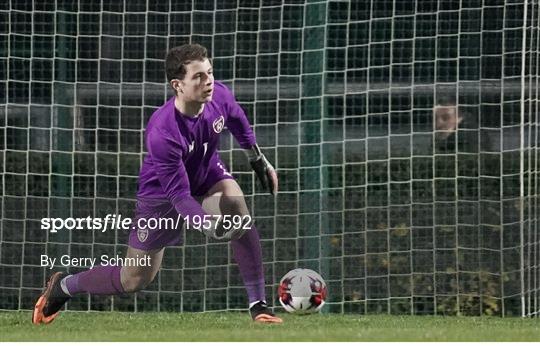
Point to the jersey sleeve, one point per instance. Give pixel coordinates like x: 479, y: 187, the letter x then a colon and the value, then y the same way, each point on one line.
x: 237, y: 122
x: 166, y: 156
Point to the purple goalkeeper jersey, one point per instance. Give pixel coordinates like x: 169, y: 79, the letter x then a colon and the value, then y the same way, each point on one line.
x: 182, y: 150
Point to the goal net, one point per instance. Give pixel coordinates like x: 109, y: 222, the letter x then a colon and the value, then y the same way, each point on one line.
x: 405, y: 136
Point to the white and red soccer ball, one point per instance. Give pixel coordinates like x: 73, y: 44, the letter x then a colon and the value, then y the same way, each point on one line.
x: 302, y: 291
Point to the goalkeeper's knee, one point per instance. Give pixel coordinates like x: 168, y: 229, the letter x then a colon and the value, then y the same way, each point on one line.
x: 232, y: 233
x: 222, y: 231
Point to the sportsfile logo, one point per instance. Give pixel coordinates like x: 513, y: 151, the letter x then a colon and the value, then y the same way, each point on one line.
x: 117, y: 222
x: 109, y: 222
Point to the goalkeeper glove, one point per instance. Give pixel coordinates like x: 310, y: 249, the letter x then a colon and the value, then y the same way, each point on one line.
x: 264, y: 170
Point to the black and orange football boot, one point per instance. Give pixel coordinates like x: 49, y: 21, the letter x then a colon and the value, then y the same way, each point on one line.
x: 261, y: 313
x: 51, y: 300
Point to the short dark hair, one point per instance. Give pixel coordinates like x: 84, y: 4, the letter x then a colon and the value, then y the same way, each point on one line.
x: 178, y: 57
x: 445, y: 95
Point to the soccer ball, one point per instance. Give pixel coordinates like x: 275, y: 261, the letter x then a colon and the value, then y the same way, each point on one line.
x: 302, y: 291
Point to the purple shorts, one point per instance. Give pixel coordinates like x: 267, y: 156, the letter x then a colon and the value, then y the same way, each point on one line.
x: 150, y: 239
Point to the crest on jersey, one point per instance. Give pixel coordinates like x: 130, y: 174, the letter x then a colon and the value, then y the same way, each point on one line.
x: 219, y: 123
x: 142, y: 234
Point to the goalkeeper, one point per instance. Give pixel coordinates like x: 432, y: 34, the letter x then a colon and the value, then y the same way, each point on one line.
x: 183, y: 174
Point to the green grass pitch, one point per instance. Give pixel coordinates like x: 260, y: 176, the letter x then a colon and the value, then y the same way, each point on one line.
x: 115, y: 326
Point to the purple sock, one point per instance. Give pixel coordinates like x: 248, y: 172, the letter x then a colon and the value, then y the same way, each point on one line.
x: 248, y: 254
x: 98, y: 280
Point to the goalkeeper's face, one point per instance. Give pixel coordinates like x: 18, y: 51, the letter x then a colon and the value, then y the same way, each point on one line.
x: 198, y: 84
